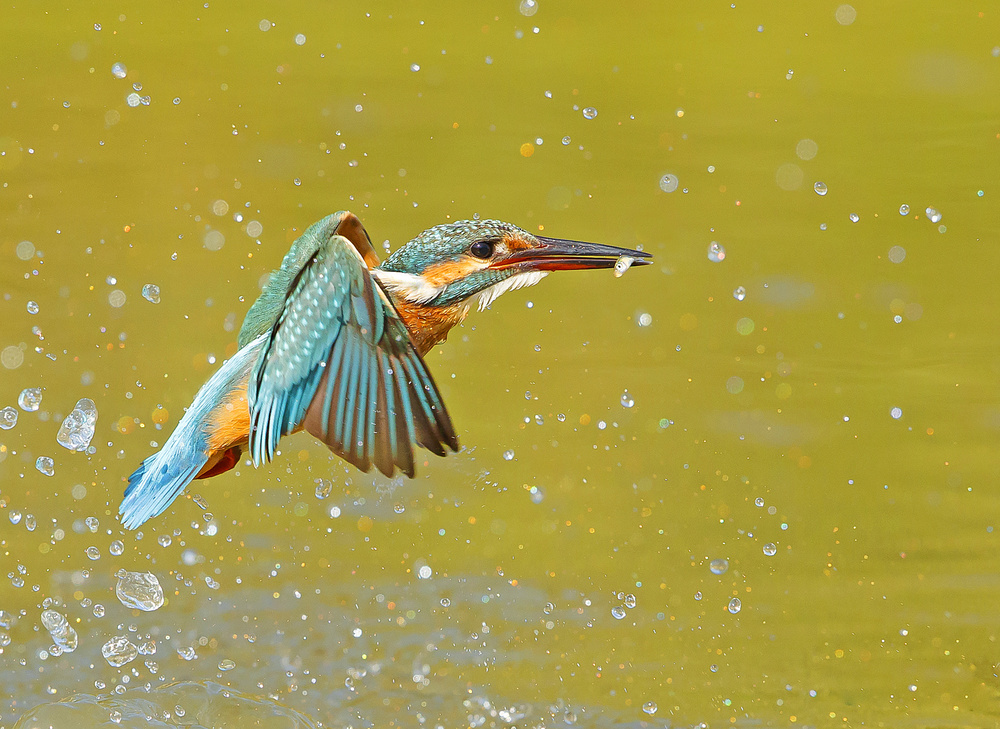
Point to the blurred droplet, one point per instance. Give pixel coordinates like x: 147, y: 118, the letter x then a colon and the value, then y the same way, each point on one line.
x: 118, y: 70
x: 669, y: 182
x: 718, y: 566
x: 8, y: 418
x: 716, y: 251
x: 739, y: 293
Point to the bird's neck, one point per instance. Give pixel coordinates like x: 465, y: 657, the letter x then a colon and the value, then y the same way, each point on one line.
x: 428, y: 324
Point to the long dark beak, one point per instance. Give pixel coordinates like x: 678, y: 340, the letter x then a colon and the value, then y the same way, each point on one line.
x: 556, y: 254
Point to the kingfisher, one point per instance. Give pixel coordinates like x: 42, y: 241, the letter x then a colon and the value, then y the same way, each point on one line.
x: 335, y: 343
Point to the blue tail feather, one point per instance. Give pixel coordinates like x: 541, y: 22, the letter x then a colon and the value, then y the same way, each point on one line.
x: 162, y: 477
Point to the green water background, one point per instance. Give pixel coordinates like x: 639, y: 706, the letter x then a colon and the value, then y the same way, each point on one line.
x: 618, y: 434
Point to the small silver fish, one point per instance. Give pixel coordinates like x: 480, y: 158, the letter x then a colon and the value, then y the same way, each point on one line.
x: 622, y: 265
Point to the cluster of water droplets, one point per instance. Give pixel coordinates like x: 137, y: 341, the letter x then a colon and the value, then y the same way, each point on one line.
x: 628, y: 601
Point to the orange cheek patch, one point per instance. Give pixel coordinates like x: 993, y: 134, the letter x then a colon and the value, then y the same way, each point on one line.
x: 442, y: 274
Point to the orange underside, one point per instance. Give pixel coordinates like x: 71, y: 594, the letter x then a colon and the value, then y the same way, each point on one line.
x: 229, y: 431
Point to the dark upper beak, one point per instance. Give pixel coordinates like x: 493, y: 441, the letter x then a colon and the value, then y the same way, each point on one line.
x: 556, y: 254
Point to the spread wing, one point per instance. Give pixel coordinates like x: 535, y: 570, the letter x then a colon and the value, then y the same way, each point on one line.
x: 340, y: 362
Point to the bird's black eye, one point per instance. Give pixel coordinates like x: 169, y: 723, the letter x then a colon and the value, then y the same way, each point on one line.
x: 482, y: 248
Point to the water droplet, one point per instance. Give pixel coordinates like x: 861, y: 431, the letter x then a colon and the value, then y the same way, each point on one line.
x: 669, y: 182
x: 29, y: 522
x: 118, y: 651
x: 820, y: 188
x: 896, y: 413
x: 151, y: 293
x: 133, y: 99
x: 645, y: 319
x: 116, y: 547
x: 32, y: 307
x: 425, y: 572
x: 566, y: 140
x: 739, y: 293
x: 933, y: 215
x: 30, y: 399
x: 63, y: 634
x: 718, y: 566
x: 8, y: 418
x: 92, y: 524
x: 548, y: 608
x: 99, y: 610
x: 904, y: 209
x: 589, y: 112
x: 445, y: 602
x: 226, y: 664
x: 618, y: 612
x: 527, y: 8
x: 855, y: 217
x: 630, y: 601
x: 508, y: 455
x: 323, y: 487
x: 734, y: 605
x: 759, y: 501
x: 45, y: 465
x: 164, y: 540
x: 77, y: 429
x: 697, y: 595
x: 649, y: 707
x: 716, y: 252
x: 627, y: 400
x: 187, y: 654
x: 93, y: 553
x: 770, y: 549
x: 118, y: 70
x: 139, y: 591
x: 846, y: 14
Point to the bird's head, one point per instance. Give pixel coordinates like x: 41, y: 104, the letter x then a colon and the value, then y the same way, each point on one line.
x: 450, y: 265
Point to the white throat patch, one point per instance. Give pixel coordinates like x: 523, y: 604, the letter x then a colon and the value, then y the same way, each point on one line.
x: 517, y: 281
x: 408, y: 285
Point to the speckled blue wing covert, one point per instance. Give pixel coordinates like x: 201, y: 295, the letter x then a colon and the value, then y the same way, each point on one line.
x: 340, y: 362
